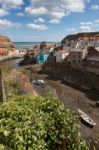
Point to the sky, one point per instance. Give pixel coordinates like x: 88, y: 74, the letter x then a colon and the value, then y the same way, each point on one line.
x: 47, y: 20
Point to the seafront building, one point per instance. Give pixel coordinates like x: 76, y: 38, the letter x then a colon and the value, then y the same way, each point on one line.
x: 7, y: 49
x: 60, y: 55
x: 41, y: 58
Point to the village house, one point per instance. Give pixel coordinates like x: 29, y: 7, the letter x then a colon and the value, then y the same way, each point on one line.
x: 36, y: 50
x: 40, y: 53
x: 60, y: 55
x: 92, y: 60
x: 77, y: 54
x: 51, y: 52
x: 7, y: 49
x: 3, y: 48
x: 92, y: 64
x: 30, y: 52
x: 72, y: 44
x: 75, y: 57
x: 42, y: 57
x: 33, y: 52
x: 81, y: 43
x: 9, y: 52
x: 97, y: 48
x: 97, y: 44
x: 91, y: 42
x: 91, y: 51
x: 15, y: 52
x: 85, y: 55
x: 3, y: 52
x: 51, y: 49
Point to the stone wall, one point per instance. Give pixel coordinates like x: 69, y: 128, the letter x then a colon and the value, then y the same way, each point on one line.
x: 72, y: 75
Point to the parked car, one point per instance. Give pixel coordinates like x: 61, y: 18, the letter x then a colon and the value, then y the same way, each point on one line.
x: 38, y: 82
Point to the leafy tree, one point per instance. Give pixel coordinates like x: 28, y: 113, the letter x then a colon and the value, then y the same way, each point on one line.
x: 40, y: 123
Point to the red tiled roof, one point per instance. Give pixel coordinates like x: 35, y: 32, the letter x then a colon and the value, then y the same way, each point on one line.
x: 3, y: 51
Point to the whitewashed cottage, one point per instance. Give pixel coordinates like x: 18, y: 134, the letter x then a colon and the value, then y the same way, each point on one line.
x: 61, y: 55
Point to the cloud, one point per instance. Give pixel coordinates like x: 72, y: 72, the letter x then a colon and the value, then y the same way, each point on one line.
x: 87, y: 23
x: 96, y: 21
x: 92, y: 24
x: 3, y: 12
x: 4, y: 23
x: 86, y: 28
x: 37, y: 26
x: 36, y: 11
x: 55, y: 8
x: 54, y: 21
x: 11, y: 3
x: 71, y: 29
x: 89, y: 26
x: 75, y: 5
x: 58, y: 15
x: 95, y: 7
x: 39, y: 20
x: 20, y: 14
x: 6, y: 5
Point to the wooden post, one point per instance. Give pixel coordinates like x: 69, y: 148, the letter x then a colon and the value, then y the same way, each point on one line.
x: 3, y: 95
x: 0, y: 88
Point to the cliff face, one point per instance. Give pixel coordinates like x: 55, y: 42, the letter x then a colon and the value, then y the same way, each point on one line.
x: 5, y: 42
x: 85, y: 36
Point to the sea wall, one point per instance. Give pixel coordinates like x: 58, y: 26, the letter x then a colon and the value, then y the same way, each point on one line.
x: 77, y: 77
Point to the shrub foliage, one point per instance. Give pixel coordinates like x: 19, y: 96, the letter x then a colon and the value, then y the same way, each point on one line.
x: 40, y: 123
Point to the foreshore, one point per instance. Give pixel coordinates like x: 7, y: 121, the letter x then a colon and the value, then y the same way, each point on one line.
x: 69, y: 95
x: 5, y: 58
x: 14, y: 62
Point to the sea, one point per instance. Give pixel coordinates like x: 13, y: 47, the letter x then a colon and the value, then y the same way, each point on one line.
x: 25, y: 45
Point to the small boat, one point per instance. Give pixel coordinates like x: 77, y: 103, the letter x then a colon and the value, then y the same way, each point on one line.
x: 86, y: 118
x: 38, y: 82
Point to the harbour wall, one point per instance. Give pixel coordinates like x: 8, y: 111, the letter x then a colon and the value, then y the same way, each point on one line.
x: 80, y: 78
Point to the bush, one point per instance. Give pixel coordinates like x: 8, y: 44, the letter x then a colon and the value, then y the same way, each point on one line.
x: 40, y: 123
x: 15, y: 86
x: 5, y: 68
